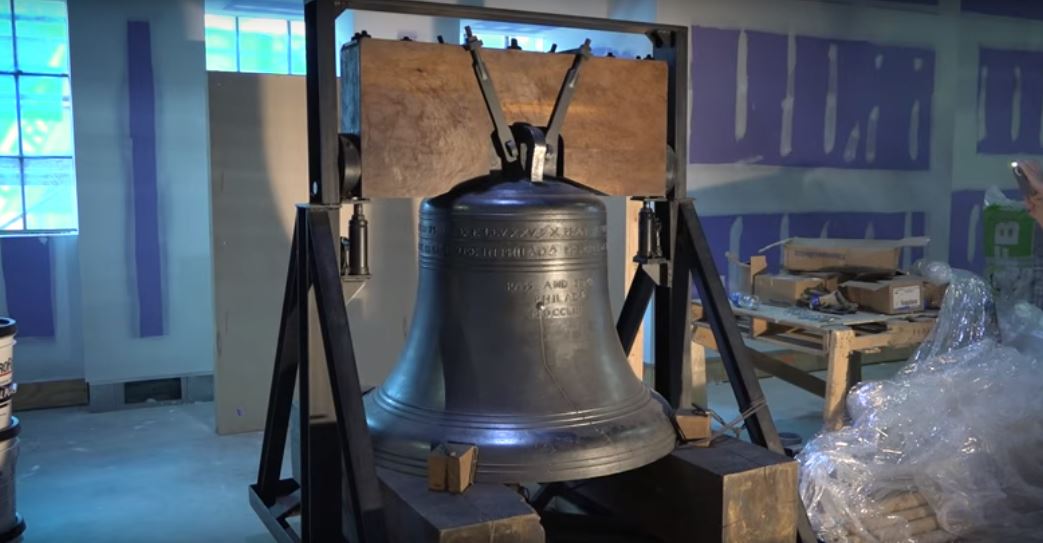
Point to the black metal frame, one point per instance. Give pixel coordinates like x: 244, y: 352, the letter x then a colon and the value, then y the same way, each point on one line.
x: 338, y: 497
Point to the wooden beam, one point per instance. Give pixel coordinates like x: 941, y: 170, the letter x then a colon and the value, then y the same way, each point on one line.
x: 424, y: 126
x: 48, y: 394
x: 838, y: 352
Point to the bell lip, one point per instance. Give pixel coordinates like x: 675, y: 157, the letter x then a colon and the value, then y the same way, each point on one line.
x: 458, y: 419
x: 581, y: 463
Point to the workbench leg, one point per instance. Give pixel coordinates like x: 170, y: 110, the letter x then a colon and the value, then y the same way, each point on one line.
x: 699, y: 378
x: 838, y: 375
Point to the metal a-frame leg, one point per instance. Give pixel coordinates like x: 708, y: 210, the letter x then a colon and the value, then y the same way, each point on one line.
x: 327, y: 449
x: 692, y: 260
x: 734, y: 354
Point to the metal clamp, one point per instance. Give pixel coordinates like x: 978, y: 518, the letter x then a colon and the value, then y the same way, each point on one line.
x: 561, y: 105
x: 506, y: 145
x: 533, y: 150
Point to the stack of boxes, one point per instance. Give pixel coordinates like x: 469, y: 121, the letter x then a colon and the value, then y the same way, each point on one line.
x: 866, y: 272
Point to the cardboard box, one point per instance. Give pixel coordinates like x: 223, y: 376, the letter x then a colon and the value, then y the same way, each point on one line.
x: 891, y: 297
x: 851, y: 255
x: 933, y: 295
x: 451, y: 467
x: 748, y: 270
x: 785, y: 289
x: 830, y: 280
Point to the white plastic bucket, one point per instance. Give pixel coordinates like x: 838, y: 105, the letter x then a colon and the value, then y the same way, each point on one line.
x: 7, y: 385
x: 9, y: 520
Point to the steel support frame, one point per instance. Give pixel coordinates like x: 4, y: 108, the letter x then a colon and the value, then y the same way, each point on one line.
x: 329, y: 510
x: 314, y: 264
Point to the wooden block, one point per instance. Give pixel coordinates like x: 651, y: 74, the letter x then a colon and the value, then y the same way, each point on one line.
x: 758, y: 327
x: 692, y: 424
x: 48, y: 394
x: 451, y: 467
x: 488, y: 513
x: 424, y: 126
x: 704, y: 336
x: 697, y: 312
x: 732, y: 491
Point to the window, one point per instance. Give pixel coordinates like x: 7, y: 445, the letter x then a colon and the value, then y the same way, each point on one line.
x: 37, y: 173
x: 254, y: 44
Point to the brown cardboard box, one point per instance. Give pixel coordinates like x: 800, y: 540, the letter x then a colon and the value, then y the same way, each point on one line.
x: 856, y: 255
x: 933, y: 294
x: 890, y: 297
x: 830, y: 280
x: 785, y: 289
x: 749, y: 270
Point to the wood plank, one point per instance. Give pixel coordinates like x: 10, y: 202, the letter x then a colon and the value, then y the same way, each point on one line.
x: 732, y: 491
x: 758, y: 327
x: 637, y: 351
x: 48, y: 394
x: 838, y: 354
x: 489, y: 513
x: 424, y: 126
x: 788, y: 373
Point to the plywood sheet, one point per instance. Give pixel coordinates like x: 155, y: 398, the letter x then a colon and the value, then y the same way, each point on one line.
x: 258, y: 165
x: 424, y: 126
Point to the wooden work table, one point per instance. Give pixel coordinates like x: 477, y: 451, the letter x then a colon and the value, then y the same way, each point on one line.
x: 835, y: 337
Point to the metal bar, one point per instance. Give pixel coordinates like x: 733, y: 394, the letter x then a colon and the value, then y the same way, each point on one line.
x: 561, y: 104
x: 634, y: 307
x: 661, y: 309
x: 284, y: 380
x: 788, y: 373
x: 679, y: 384
x: 303, y: 284
x: 411, y: 7
x: 279, y: 529
x: 323, y: 117
x: 671, y: 46
x: 357, y: 449
x: 734, y: 355
x: 18, y: 117
x: 726, y: 332
x: 504, y: 140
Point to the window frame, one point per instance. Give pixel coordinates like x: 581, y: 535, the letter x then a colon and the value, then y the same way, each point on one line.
x: 17, y: 73
x: 288, y: 23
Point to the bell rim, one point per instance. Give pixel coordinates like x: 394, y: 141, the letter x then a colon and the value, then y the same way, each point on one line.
x: 585, y: 464
x: 460, y: 419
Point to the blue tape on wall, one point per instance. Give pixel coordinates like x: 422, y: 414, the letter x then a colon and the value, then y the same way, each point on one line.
x: 854, y: 104
x: 1009, y: 82
x: 28, y: 284
x: 143, y: 155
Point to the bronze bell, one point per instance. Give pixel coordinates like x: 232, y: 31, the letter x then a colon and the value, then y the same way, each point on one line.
x: 513, y: 347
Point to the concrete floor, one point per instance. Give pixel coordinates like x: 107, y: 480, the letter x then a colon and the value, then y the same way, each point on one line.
x: 161, y: 474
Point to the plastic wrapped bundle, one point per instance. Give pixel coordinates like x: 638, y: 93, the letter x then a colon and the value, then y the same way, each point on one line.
x: 967, y: 316
x: 946, y: 449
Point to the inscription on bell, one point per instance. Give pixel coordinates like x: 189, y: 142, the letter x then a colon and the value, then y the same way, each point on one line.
x: 543, y: 231
x: 555, y: 298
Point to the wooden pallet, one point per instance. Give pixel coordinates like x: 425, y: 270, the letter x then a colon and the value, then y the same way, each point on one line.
x: 835, y: 337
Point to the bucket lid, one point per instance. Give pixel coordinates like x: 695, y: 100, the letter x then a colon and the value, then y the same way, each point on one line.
x: 7, y: 327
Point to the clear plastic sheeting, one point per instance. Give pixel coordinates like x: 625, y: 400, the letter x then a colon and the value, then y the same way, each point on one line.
x: 948, y: 449
x: 967, y: 316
